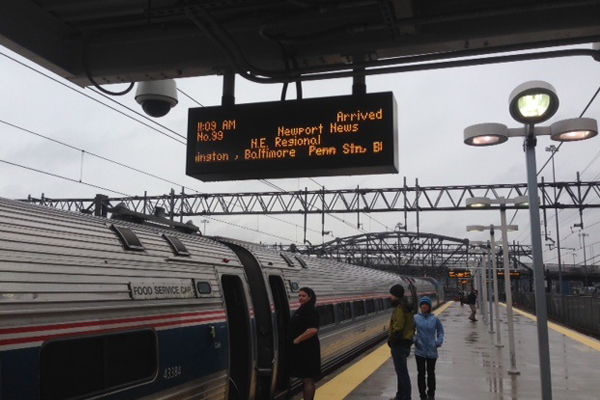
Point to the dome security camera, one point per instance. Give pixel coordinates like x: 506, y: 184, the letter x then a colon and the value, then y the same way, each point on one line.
x: 157, y: 97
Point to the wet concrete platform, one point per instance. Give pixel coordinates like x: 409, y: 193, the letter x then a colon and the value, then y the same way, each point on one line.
x: 471, y: 366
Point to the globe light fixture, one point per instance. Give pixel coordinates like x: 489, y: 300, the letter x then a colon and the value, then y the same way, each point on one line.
x: 533, y: 102
x: 568, y: 130
x: 481, y: 228
x: 486, y: 202
x: 571, y: 130
x: 475, y: 228
x: 487, y: 134
x: 521, y: 201
x: 478, y: 202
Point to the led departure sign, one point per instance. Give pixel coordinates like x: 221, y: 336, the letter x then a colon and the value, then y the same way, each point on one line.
x: 296, y: 138
x: 459, y: 274
x: 513, y: 274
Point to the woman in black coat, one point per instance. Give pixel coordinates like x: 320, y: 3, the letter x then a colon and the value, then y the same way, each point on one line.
x: 306, y: 349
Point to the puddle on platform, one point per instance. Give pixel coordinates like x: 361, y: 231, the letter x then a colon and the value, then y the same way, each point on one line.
x: 472, y: 337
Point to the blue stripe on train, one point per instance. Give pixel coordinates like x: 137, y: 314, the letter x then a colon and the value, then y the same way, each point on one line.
x: 190, y: 350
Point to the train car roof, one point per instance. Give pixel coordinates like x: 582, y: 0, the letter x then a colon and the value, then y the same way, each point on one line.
x: 53, y: 256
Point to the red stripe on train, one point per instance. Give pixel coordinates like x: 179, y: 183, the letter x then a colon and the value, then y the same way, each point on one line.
x: 122, y: 329
x: 106, y: 322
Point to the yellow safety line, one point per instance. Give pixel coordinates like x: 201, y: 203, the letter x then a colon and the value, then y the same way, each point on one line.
x: 343, y: 384
x: 443, y: 308
x: 586, y: 340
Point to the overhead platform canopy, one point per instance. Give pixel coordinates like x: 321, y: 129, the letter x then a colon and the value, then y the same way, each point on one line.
x: 135, y: 40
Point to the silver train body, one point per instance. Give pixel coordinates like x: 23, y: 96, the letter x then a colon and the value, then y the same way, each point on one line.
x: 93, y: 308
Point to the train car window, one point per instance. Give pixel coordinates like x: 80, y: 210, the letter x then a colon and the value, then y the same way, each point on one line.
x: 128, y: 238
x: 379, y: 304
x: 203, y: 288
x: 288, y: 260
x: 326, y: 315
x: 177, y: 245
x: 344, y: 311
x: 370, y: 303
x: 359, y: 308
x: 92, y: 366
x: 302, y: 262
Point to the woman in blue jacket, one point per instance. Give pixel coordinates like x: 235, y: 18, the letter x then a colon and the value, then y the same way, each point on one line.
x: 430, y: 336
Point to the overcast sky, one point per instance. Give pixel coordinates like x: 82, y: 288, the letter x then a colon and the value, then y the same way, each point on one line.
x: 433, y: 109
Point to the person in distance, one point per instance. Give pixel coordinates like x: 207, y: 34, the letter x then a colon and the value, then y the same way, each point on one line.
x: 472, y: 302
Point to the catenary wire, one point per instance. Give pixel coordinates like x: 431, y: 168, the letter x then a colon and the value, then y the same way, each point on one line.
x: 250, y: 229
x: 95, y: 155
x: 139, y: 114
x: 190, y: 97
x: 561, y: 143
x: 564, y: 238
x: 92, y: 98
x: 63, y: 177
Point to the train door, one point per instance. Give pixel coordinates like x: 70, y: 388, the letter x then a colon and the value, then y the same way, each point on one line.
x: 238, y: 326
x: 265, y: 340
x: 282, y: 311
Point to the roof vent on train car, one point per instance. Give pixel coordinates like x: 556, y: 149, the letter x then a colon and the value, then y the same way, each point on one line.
x: 122, y: 213
x: 177, y: 245
x: 128, y: 238
x: 287, y: 260
x: 302, y: 262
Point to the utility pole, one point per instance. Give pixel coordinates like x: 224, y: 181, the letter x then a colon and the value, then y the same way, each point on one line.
x: 553, y: 149
x: 582, y: 235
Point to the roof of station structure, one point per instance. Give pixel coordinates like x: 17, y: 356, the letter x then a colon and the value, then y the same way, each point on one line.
x: 276, y: 40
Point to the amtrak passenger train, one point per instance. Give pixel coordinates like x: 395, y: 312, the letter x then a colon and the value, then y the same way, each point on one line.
x: 96, y: 308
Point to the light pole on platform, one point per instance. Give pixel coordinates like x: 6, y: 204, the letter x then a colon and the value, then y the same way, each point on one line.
x: 492, y: 229
x: 531, y: 103
x: 483, y: 268
x: 484, y: 202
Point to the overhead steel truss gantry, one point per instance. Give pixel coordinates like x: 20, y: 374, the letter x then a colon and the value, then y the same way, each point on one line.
x: 574, y: 195
x: 408, y: 252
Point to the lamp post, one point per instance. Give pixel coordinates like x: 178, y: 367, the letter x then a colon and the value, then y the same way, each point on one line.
x: 484, y: 202
x: 204, y: 221
x: 483, y: 262
x: 484, y: 287
x: 489, y: 278
x: 531, y: 103
x: 492, y: 229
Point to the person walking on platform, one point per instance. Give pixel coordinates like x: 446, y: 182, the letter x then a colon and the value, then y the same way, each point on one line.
x: 400, y: 339
x: 306, y: 349
x: 472, y: 301
x: 430, y: 336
